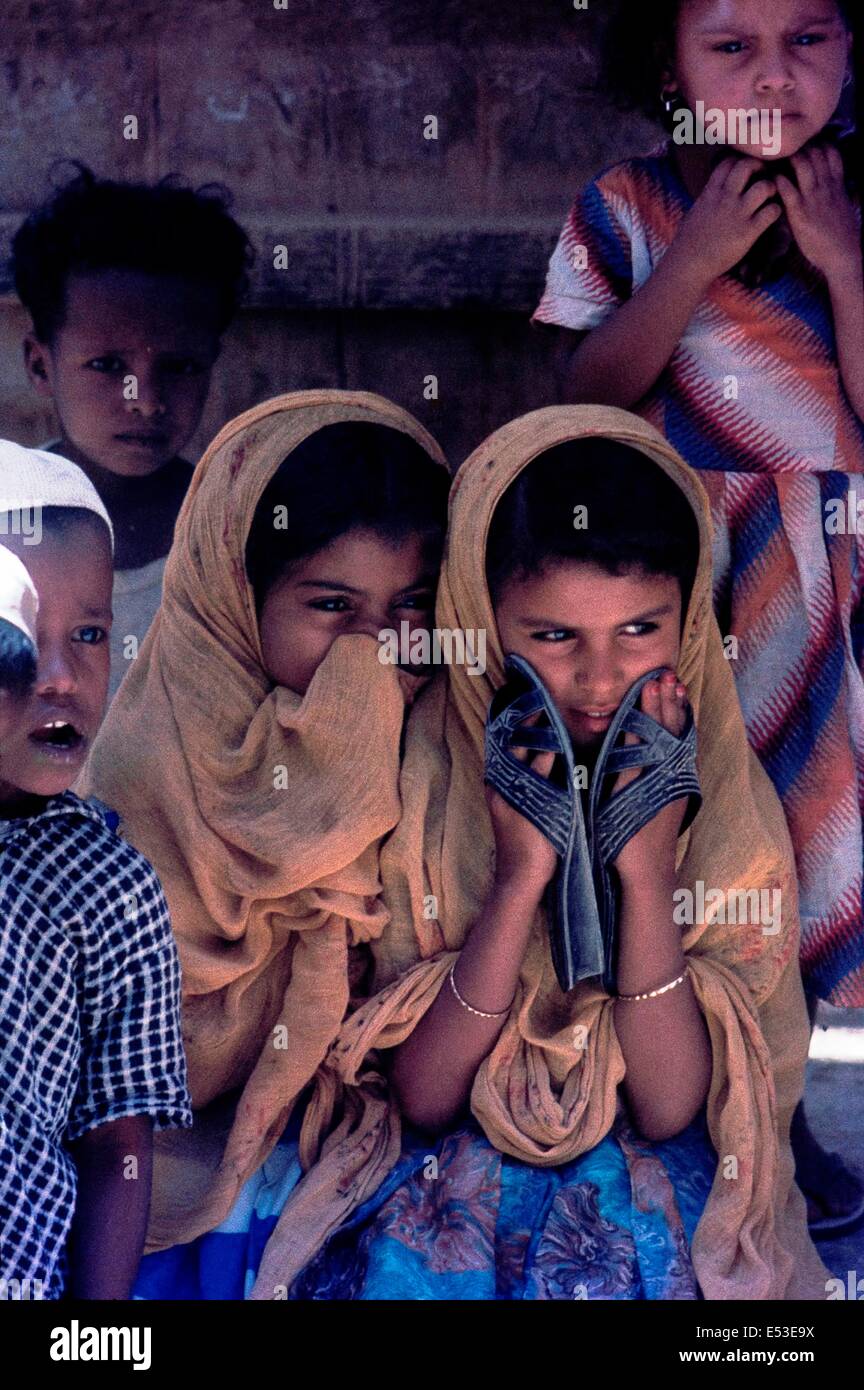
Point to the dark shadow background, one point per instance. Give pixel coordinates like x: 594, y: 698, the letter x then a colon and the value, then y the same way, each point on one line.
x: 408, y: 257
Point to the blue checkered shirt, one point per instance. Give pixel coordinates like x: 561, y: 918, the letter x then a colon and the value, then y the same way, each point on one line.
x: 89, y: 1019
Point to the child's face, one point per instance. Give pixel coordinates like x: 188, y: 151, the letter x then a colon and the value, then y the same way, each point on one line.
x: 129, y: 370
x: 789, y: 55
x: 589, y: 635
x: 73, y: 575
x: 359, y: 583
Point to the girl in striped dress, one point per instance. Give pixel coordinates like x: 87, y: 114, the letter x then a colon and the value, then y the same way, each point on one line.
x: 714, y: 285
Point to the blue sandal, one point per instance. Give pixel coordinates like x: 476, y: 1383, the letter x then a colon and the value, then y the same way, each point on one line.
x: 574, y: 925
x: 584, y: 896
x: 669, y: 764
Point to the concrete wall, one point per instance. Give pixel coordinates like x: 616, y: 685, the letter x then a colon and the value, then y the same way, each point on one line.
x: 407, y: 256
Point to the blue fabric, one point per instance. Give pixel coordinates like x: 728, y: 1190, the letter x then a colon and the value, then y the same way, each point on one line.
x: 455, y: 1219
x: 223, y: 1263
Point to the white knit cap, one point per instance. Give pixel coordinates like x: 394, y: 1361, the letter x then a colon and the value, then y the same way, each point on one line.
x: 19, y: 602
x: 34, y: 478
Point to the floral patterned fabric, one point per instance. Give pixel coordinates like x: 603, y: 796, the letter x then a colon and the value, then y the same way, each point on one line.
x: 456, y: 1219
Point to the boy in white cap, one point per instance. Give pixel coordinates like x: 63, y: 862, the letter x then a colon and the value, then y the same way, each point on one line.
x: 91, y: 1056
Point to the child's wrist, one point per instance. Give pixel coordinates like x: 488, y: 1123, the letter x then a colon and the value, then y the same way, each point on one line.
x: 691, y: 272
x: 518, y: 883
x: 847, y: 273
x: 652, y: 883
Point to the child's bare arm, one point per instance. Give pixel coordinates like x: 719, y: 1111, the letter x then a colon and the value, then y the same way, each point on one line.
x: 846, y: 286
x: 664, y: 1040
x: 824, y: 223
x: 620, y: 360
x: 112, y: 1207
x: 433, y: 1071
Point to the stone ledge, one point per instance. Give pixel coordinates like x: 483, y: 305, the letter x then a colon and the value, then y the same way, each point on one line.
x: 345, y: 263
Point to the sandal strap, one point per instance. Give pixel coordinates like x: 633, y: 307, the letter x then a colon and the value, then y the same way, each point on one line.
x: 624, y: 815
x: 575, y: 930
x: 658, y: 746
x: 508, y: 721
x: 619, y: 757
x: 546, y: 806
x: 542, y: 740
x: 513, y: 712
x: 668, y: 773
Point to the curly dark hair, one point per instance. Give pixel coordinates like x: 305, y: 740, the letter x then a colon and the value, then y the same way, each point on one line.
x: 91, y: 224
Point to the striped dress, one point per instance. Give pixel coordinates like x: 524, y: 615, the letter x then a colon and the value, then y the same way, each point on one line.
x: 752, y: 398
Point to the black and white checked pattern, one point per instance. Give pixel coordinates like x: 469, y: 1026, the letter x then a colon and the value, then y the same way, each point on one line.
x: 89, y: 1017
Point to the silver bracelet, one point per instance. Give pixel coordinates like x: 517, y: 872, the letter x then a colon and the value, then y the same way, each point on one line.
x: 654, y: 993
x: 479, y: 1013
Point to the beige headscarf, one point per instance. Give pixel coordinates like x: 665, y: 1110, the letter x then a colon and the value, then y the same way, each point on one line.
x: 260, y: 811
x: 539, y: 1095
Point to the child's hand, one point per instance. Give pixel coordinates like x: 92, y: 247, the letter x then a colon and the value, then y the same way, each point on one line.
x: 652, y: 849
x: 522, y: 853
x: 821, y: 214
x: 727, y: 217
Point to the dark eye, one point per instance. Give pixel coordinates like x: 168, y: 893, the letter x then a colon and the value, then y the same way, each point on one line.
x: 182, y: 366
x: 732, y: 46
x: 109, y: 363
x: 420, y: 602
x: 808, y: 40
x: 92, y: 636
x: 330, y: 605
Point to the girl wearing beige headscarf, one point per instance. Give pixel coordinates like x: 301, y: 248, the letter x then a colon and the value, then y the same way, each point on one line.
x: 580, y: 1171
x: 252, y: 753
